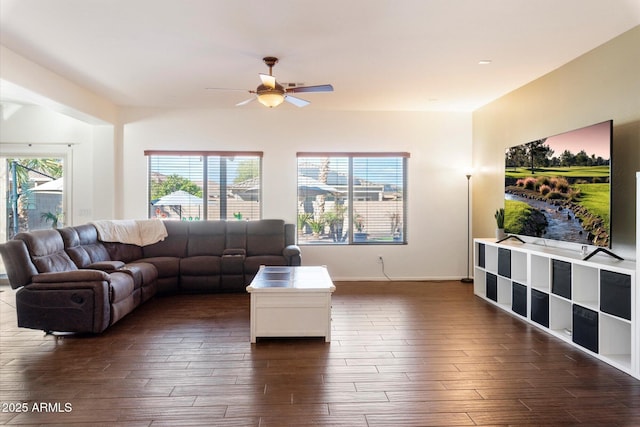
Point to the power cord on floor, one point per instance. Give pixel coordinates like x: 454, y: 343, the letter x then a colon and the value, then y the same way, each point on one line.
x: 383, y: 272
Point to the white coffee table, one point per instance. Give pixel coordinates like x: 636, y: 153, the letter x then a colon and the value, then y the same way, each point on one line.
x: 291, y: 302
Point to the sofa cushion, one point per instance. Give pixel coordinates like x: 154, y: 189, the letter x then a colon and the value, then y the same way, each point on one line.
x: 204, y: 265
x: 143, y: 273
x: 236, y: 235
x: 83, y: 246
x: 265, y: 237
x: 47, y: 250
x: 123, y: 252
x: 175, y: 245
x: 121, y: 286
x: 206, y: 238
x: 166, y: 266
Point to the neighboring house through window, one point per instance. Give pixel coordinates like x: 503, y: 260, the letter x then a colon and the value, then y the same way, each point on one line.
x: 352, y: 198
x: 34, y: 189
x: 193, y: 186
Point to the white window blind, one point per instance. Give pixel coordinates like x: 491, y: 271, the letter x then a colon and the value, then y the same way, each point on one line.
x: 192, y: 186
x: 352, y: 198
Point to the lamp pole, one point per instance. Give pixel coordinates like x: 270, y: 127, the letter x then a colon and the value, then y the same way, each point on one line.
x: 468, y: 279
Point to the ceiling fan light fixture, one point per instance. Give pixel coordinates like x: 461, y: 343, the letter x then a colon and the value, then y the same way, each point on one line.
x: 271, y: 93
x: 270, y: 97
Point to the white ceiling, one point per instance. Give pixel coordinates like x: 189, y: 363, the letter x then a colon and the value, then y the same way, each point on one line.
x: 404, y: 55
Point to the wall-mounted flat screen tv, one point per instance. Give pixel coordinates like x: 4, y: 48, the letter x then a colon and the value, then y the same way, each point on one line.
x: 558, y: 188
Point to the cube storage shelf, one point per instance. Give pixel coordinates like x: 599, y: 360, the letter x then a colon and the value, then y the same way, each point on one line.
x: 591, y: 304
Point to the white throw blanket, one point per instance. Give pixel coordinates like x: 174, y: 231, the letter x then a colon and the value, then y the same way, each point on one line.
x: 139, y: 232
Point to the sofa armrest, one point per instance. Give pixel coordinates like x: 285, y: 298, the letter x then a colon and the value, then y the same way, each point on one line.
x: 17, y: 263
x: 293, y: 255
x: 107, y: 266
x: 72, y: 276
x: 234, y: 252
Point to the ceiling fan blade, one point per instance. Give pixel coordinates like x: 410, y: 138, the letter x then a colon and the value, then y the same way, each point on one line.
x: 298, y: 102
x: 246, y: 101
x: 268, y: 80
x: 318, y: 88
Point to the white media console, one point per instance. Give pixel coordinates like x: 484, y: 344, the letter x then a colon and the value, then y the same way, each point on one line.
x: 593, y: 304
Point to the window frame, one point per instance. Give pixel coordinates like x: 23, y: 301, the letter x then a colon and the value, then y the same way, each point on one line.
x: 206, y: 173
x: 351, y: 199
x: 64, y: 152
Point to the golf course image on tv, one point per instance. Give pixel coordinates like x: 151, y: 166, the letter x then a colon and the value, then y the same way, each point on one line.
x: 558, y: 187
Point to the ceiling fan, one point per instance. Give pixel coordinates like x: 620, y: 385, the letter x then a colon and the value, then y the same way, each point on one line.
x: 271, y: 93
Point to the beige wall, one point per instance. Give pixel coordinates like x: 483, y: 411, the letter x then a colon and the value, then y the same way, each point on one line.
x: 109, y: 176
x: 440, y: 147
x: 48, y: 89
x: 603, y: 84
x: 58, y: 111
x: 38, y: 131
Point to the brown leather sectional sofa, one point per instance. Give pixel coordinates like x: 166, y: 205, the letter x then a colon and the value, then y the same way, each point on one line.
x: 70, y: 281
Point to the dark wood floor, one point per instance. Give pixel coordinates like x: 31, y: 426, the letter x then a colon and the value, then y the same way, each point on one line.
x: 402, y: 354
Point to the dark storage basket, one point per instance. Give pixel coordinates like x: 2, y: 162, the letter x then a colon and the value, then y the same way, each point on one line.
x: 540, y: 307
x: 519, y: 299
x: 615, y: 294
x: 561, y: 279
x: 481, y: 255
x: 504, y: 262
x: 492, y: 287
x: 585, y: 328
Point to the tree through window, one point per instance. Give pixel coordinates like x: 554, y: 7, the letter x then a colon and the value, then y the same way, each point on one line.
x: 34, y: 194
x: 352, y: 198
x: 193, y: 186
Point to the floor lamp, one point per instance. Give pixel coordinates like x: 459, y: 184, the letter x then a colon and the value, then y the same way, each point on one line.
x: 468, y: 279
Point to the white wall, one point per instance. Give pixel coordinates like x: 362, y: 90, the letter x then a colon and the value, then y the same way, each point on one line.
x: 53, y: 91
x: 103, y: 173
x: 62, y: 113
x: 109, y: 179
x: 440, y: 149
x: 39, y: 131
x: 603, y: 84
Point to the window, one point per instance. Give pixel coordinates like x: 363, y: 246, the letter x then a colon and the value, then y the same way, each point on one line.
x: 34, y: 189
x: 352, y: 198
x: 193, y: 186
